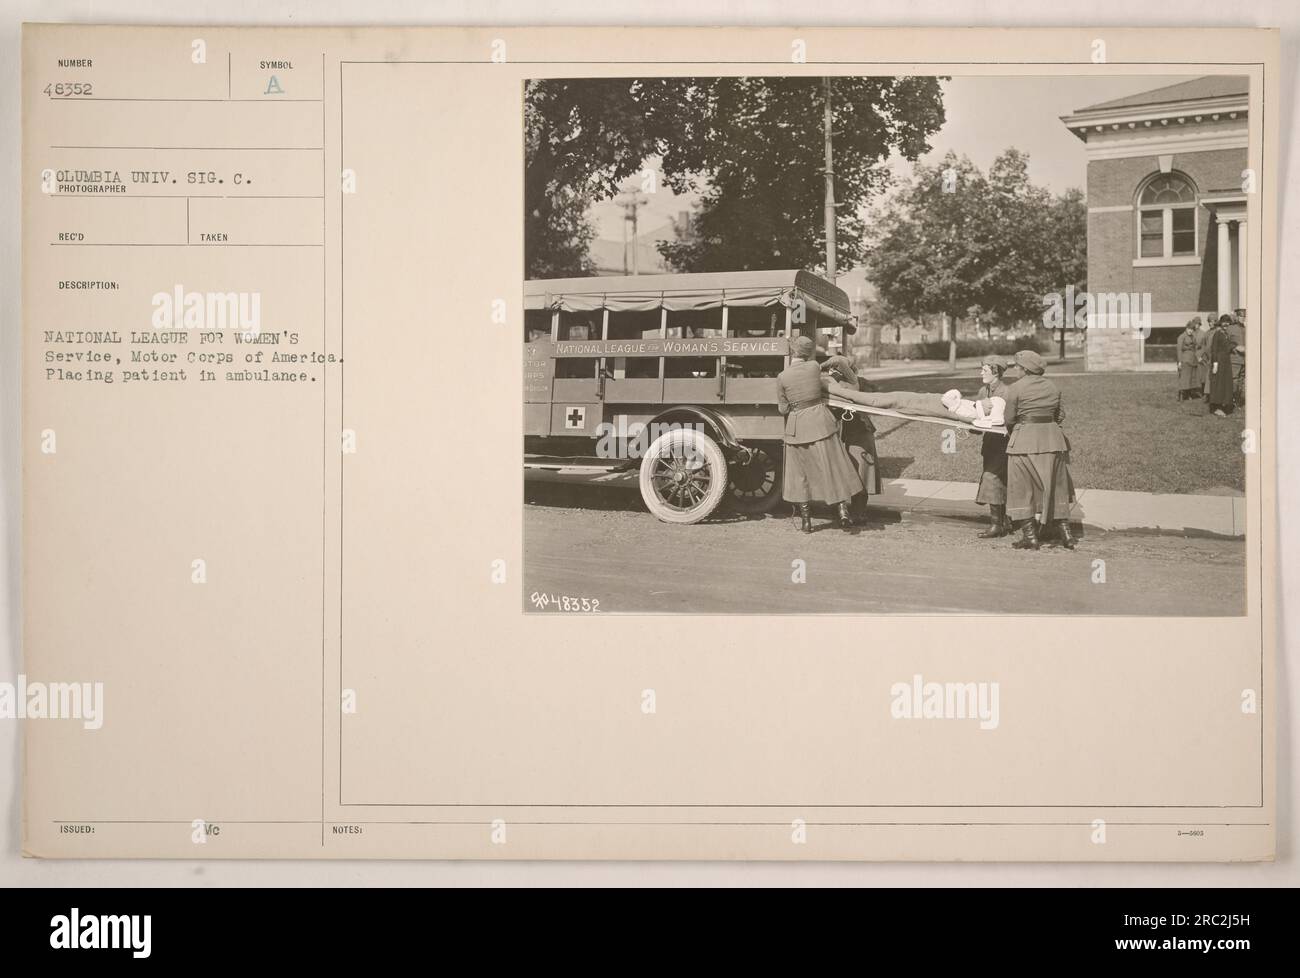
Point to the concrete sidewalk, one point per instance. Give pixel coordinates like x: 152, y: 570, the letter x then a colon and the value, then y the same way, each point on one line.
x: 1100, y: 509
x: 1183, y: 514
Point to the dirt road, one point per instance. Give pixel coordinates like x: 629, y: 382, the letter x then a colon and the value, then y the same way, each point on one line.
x: 607, y: 548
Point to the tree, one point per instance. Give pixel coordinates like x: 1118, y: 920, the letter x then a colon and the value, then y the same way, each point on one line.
x: 760, y: 143
x: 1065, y: 251
x: 1046, y: 240
x: 557, y: 231
x: 751, y: 146
x: 882, y: 313
x: 558, y: 236
x: 934, y: 246
x: 956, y: 242
x: 1017, y: 211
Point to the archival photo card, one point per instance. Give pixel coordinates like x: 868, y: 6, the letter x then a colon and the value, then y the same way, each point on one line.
x: 698, y: 443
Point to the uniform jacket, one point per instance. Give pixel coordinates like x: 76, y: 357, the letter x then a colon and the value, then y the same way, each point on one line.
x: 993, y: 444
x: 802, y: 399
x: 839, y: 370
x: 1035, y: 397
x: 1187, y: 347
x: 1203, y: 344
x: 1238, y: 337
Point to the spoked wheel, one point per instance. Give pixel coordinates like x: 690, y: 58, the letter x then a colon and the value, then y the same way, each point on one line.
x: 755, y: 485
x: 683, y: 476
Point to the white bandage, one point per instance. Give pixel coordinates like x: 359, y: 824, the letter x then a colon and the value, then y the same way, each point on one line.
x: 995, y: 416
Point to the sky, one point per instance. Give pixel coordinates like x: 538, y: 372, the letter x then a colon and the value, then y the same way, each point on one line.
x: 985, y: 115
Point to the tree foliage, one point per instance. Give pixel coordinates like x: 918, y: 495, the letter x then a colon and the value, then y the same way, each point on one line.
x: 557, y: 231
x: 959, y: 242
x: 751, y: 146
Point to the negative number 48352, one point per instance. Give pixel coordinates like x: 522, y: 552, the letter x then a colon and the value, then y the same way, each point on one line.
x: 68, y: 89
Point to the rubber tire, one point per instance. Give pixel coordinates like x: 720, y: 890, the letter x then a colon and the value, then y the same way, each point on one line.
x: 771, y: 500
x: 712, y: 456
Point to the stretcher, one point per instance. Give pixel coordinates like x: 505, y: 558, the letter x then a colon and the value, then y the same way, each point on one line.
x: 952, y: 420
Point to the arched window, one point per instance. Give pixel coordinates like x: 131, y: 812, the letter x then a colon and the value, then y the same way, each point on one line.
x: 1167, y: 217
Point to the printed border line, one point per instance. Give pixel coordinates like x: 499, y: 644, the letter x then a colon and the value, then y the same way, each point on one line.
x: 787, y: 63
x: 324, y: 430
x: 342, y: 416
x: 652, y: 824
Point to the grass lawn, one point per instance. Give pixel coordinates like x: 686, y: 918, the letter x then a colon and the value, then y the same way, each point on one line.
x: 1126, y: 431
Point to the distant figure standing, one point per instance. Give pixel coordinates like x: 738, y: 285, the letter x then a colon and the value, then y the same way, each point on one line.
x: 1038, y: 476
x: 1188, y: 362
x: 1203, y: 355
x: 1237, y: 334
x: 816, y: 465
x: 1220, y: 383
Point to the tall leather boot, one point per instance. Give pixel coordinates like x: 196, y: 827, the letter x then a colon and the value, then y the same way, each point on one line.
x: 858, y: 507
x: 805, y: 517
x: 846, y: 518
x: 1067, y: 535
x: 998, y: 525
x: 1030, y: 539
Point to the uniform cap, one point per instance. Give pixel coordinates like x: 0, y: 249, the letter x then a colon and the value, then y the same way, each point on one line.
x: 1033, y: 363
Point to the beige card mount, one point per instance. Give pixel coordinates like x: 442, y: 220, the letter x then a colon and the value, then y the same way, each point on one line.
x: 406, y: 472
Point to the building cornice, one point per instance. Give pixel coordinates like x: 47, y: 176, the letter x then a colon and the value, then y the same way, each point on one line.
x: 1161, y: 141
x: 1162, y: 115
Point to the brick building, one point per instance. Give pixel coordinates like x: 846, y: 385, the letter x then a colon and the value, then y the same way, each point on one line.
x: 1166, y: 210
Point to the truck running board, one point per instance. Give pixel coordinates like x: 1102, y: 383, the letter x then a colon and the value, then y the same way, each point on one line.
x: 563, y: 468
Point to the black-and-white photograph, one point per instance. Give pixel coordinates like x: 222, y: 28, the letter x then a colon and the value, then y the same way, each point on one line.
x: 888, y: 344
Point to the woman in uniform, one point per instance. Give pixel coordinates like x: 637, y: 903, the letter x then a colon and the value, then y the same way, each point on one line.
x: 1188, y: 361
x: 1220, y: 382
x: 816, y: 465
x: 1038, y: 474
x: 992, y: 490
x: 857, y: 433
x: 1203, y: 334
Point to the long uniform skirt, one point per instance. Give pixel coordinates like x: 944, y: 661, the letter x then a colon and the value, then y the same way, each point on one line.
x: 1039, y: 485
x: 820, y: 471
x: 859, y: 437
x: 1187, y: 376
x: 992, y: 489
x: 1219, y: 392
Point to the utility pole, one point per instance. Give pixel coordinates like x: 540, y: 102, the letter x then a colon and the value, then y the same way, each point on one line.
x: 631, y: 201
x: 827, y: 120
x: 633, y: 207
x: 950, y: 333
x: 625, y: 244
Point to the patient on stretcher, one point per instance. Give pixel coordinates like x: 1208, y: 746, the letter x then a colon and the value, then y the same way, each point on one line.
x: 984, y: 413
